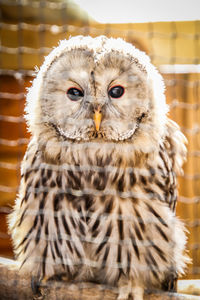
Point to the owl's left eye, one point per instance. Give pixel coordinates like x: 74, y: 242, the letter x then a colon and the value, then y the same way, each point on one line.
x: 74, y: 94
x: 116, y: 91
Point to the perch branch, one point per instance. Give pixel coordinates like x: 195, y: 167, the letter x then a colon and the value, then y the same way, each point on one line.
x: 14, y: 285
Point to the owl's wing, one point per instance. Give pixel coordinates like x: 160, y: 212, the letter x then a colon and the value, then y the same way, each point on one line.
x: 175, y: 147
x: 174, y: 155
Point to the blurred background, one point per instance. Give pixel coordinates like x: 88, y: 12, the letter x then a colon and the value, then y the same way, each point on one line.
x: 168, y: 31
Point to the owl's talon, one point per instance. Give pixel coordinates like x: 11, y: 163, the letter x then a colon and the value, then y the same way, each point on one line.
x: 37, y: 297
x: 124, y: 292
x: 35, y: 286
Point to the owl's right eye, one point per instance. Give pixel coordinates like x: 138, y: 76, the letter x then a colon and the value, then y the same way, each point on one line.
x: 74, y: 94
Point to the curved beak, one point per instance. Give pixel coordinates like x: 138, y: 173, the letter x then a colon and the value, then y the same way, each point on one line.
x: 97, y: 118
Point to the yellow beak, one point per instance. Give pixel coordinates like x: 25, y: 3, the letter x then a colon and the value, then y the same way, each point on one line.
x: 97, y: 119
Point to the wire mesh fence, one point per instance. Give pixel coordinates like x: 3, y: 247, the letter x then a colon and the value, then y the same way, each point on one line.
x: 29, y: 30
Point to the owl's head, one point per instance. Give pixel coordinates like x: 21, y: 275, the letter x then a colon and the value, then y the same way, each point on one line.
x: 97, y: 89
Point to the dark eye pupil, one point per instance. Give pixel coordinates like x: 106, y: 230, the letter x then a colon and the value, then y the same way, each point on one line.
x: 116, y: 91
x: 74, y: 94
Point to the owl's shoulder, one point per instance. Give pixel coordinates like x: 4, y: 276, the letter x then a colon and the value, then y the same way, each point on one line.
x: 32, y: 155
x: 175, y: 145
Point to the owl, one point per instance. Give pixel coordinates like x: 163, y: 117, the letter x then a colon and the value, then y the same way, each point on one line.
x: 98, y: 185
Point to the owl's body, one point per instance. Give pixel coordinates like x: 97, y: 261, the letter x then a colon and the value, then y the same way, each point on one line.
x: 97, y: 200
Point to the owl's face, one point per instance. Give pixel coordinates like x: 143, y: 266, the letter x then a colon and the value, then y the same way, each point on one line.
x: 98, y: 89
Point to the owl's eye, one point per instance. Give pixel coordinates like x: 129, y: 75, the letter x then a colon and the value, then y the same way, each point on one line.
x: 116, y: 91
x: 74, y: 94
